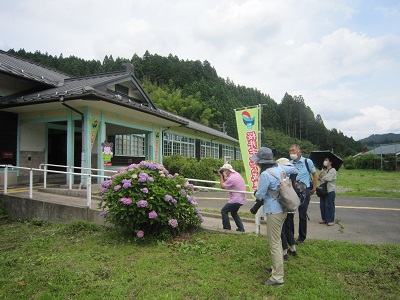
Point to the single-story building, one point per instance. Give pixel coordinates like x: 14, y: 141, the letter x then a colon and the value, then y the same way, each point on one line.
x: 98, y: 121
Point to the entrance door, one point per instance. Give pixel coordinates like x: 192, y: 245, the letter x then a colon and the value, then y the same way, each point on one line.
x: 57, y: 148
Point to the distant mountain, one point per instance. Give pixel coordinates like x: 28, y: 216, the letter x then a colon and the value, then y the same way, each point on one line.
x: 377, y: 139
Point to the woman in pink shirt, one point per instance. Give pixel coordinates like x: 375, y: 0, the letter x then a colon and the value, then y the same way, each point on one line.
x: 232, y: 180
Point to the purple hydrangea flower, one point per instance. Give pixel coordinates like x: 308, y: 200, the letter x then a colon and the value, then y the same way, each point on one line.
x: 190, y: 198
x: 174, y: 201
x: 168, y: 198
x: 196, y: 211
x: 151, y: 179
x: 140, y: 234
x: 126, y: 183
x: 200, y: 216
x: 173, y: 223
x: 132, y: 166
x: 104, y: 190
x: 170, y: 176
x: 194, y: 202
x: 145, y: 190
x: 117, y: 187
x: 183, y: 192
x: 191, y: 187
x: 152, y: 215
x: 142, y: 179
x: 121, y: 170
x: 106, y: 184
x: 142, y: 203
x: 103, y: 214
x: 126, y: 201
x: 166, y: 172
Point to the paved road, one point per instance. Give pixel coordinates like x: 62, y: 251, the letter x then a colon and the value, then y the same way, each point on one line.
x: 360, y: 220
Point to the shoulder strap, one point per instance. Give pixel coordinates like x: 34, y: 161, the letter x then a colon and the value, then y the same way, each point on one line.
x: 308, y: 168
x: 268, y: 171
x: 273, y: 194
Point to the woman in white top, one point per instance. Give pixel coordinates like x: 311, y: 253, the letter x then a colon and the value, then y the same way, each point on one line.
x: 327, y: 202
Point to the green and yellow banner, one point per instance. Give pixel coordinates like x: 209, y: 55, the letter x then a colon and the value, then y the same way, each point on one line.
x: 247, y: 121
x: 94, y: 128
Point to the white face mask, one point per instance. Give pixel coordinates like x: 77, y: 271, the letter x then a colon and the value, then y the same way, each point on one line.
x: 325, y: 163
x: 293, y: 156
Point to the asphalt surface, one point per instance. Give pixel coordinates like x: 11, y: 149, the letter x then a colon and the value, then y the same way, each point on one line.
x: 358, y: 220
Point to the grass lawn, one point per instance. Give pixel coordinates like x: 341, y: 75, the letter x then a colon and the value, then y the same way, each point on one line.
x: 40, y: 260
x: 80, y: 260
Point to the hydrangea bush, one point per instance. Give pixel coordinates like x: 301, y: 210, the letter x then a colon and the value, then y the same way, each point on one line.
x: 145, y: 199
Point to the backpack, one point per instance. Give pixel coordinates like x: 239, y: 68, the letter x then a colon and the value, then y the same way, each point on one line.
x: 288, y: 198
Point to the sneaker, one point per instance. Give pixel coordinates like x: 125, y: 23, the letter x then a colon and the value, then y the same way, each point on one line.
x: 322, y: 222
x: 299, y: 242
x: 286, y: 257
x: 293, y: 253
x: 271, y: 283
x: 268, y: 269
x: 330, y: 224
x: 237, y: 229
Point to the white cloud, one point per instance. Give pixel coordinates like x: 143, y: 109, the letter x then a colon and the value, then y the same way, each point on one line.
x: 342, y: 57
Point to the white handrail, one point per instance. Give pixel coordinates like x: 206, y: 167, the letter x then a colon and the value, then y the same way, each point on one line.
x: 45, y: 171
x: 89, y: 183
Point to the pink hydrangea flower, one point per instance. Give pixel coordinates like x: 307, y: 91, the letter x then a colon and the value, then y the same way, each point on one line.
x: 140, y: 234
x: 173, y: 223
x: 152, y: 215
x: 117, y: 187
x: 145, y: 190
x: 142, y: 203
x: 126, y: 201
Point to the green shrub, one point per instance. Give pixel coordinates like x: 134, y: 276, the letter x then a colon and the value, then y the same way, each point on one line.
x: 82, y: 226
x: 37, y: 222
x: 147, y: 200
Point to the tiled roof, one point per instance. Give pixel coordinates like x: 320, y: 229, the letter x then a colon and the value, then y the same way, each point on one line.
x: 205, y: 129
x: 70, y: 87
x: 30, y: 70
x: 386, y: 149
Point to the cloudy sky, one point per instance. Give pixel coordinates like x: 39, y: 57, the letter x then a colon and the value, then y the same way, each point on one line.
x: 343, y: 57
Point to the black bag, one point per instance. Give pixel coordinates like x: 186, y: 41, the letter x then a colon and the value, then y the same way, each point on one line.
x: 322, y: 189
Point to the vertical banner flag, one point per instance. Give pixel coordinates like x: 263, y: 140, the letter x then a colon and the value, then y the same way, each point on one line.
x: 247, y: 121
x: 94, y: 128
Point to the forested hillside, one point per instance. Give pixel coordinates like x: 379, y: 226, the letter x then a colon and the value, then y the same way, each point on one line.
x: 378, y: 139
x: 194, y: 90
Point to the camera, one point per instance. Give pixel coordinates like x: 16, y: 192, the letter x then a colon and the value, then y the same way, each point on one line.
x: 215, y: 171
x: 257, y: 205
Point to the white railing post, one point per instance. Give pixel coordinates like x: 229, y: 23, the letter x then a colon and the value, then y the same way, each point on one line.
x: 258, y: 216
x: 70, y: 177
x: 89, y: 191
x: 45, y: 177
x: 5, y: 179
x: 30, y: 183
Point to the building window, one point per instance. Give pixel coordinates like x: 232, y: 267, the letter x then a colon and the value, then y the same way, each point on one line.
x: 238, y: 154
x: 228, y: 151
x: 120, y: 89
x: 209, y: 149
x: 129, y: 145
x: 178, y: 144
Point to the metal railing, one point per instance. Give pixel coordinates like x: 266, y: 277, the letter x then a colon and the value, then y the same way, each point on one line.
x: 45, y: 171
x: 260, y: 213
x: 71, y: 173
x: 89, y: 177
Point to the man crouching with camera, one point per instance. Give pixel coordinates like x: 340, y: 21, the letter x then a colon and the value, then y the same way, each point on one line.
x: 232, y: 180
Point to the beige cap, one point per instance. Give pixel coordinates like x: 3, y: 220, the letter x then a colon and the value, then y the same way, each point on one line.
x: 228, y: 167
x: 284, y: 161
